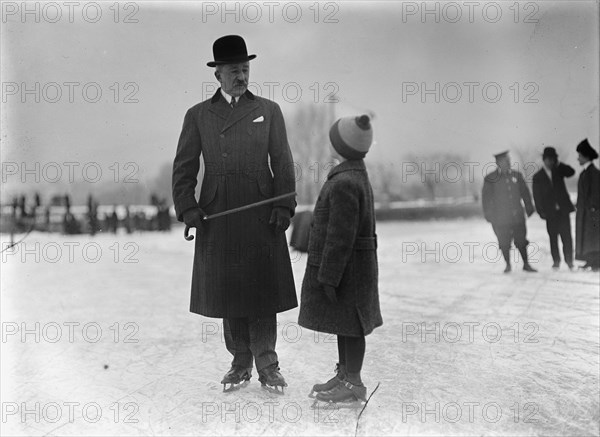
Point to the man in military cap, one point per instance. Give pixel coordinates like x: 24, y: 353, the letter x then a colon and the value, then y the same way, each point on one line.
x: 504, y: 192
x: 242, y: 271
x: 553, y: 204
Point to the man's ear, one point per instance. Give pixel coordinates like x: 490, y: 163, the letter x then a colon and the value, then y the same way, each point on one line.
x: 218, y: 75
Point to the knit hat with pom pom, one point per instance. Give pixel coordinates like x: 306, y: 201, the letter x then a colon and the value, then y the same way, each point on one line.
x: 351, y: 137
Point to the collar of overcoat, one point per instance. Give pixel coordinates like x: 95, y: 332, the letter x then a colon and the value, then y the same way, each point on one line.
x: 245, y: 105
x: 351, y: 164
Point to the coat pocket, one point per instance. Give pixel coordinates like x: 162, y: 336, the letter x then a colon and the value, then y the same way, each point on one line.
x: 366, y: 243
x: 265, y: 186
x: 208, y: 192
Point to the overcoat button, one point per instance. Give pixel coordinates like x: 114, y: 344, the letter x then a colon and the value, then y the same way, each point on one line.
x: 224, y: 155
x: 222, y: 135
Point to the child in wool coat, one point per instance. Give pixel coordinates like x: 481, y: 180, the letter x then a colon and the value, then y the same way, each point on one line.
x: 339, y: 291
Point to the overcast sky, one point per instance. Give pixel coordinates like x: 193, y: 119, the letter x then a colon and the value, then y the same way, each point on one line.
x: 377, y: 55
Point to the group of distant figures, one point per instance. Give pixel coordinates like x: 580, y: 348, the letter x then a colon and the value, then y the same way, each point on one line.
x: 58, y: 216
x: 505, y: 192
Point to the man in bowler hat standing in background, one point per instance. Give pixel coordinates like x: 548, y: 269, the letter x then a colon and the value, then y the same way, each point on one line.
x: 242, y: 271
x: 553, y: 204
x: 503, y: 191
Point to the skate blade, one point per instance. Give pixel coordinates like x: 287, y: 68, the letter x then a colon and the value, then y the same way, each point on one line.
x: 234, y: 387
x: 325, y: 405
x: 275, y: 389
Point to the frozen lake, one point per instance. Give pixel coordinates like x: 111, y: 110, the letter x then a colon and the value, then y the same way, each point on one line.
x: 97, y: 339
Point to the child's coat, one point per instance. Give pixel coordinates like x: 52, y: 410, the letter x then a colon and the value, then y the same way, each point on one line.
x: 342, y: 252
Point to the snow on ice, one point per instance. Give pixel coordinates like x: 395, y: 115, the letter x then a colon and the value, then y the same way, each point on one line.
x: 97, y: 339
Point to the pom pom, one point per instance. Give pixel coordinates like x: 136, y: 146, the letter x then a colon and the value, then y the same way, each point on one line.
x: 363, y: 122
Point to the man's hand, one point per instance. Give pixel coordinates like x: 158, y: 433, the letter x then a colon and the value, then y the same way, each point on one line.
x: 193, y: 218
x: 330, y: 293
x: 280, y: 217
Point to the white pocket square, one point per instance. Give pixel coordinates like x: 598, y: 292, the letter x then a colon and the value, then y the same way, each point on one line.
x: 259, y: 119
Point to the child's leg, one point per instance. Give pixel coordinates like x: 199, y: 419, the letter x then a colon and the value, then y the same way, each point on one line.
x: 355, y: 354
x: 341, y: 343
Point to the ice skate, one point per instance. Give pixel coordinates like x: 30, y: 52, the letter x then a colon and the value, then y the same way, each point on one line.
x: 508, y: 268
x: 527, y: 268
x: 340, y: 374
x: 237, y: 377
x: 344, y: 395
x: 271, y: 379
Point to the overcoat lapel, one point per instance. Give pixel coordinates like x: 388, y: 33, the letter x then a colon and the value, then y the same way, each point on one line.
x: 219, y: 106
x: 244, y: 107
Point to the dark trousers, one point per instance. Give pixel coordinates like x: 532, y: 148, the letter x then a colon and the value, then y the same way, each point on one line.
x: 251, y: 338
x: 560, y: 224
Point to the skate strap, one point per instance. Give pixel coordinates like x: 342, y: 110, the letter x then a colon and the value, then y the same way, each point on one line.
x: 354, y: 389
x: 350, y: 385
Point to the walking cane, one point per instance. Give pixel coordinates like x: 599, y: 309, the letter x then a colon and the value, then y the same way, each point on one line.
x: 188, y: 237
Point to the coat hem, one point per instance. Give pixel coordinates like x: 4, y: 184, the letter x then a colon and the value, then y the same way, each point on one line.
x: 333, y: 332
x: 230, y: 316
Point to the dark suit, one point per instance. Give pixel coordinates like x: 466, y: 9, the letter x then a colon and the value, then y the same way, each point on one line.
x: 553, y: 204
x: 501, y: 197
x: 242, y: 271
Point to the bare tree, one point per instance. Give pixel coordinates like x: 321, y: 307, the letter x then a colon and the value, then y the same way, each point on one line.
x: 308, y: 131
x: 436, y: 170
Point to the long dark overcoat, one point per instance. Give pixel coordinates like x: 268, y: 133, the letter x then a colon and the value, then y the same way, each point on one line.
x: 241, y: 263
x: 587, y: 218
x: 342, y: 252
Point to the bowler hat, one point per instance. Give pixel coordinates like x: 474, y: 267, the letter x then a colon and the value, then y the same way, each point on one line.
x: 230, y: 49
x: 549, y: 152
x: 586, y: 150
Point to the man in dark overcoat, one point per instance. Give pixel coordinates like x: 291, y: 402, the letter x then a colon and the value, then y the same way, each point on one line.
x: 553, y: 204
x: 242, y: 271
x: 587, y: 218
x: 503, y: 191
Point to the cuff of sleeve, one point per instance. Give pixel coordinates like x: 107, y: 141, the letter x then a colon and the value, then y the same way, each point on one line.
x: 183, y: 205
x: 328, y: 277
x: 289, y: 204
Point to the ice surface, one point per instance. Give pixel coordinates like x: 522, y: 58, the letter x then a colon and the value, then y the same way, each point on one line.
x: 540, y: 372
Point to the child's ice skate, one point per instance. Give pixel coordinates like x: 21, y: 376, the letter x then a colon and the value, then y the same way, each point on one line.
x: 237, y: 377
x: 344, y: 395
x: 271, y: 379
x: 340, y: 374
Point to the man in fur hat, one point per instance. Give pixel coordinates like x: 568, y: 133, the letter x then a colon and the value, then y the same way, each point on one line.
x: 587, y: 219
